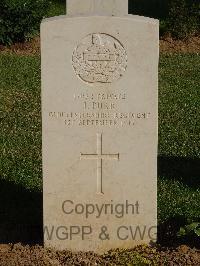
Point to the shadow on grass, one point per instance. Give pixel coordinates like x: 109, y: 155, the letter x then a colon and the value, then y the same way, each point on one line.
x: 185, y: 170
x: 20, y: 214
x: 167, y: 233
x: 21, y: 210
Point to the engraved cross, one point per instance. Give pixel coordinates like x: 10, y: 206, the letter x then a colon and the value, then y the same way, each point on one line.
x: 99, y: 156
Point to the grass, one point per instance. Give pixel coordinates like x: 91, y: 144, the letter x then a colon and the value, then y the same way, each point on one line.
x: 179, y: 144
x: 179, y: 97
x: 20, y: 120
x: 179, y: 132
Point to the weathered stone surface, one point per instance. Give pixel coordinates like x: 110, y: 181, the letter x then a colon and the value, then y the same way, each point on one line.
x: 99, y: 110
x: 105, y: 7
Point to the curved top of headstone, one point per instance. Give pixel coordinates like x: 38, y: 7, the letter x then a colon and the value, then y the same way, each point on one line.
x: 100, y: 7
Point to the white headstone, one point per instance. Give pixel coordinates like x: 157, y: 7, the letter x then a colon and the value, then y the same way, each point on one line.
x: 99, y: 111
x: 105, y: 7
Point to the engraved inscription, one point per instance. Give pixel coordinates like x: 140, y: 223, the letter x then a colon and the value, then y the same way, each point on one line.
x: 100, y: 119
x: 99, y: 58
x: 101, y: 110
x: 99, y: 156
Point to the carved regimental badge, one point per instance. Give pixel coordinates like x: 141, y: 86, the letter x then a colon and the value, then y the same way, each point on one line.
x: 99, y: 58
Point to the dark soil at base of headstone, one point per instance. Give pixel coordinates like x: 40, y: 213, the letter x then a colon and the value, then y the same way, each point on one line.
x: 17, y: 254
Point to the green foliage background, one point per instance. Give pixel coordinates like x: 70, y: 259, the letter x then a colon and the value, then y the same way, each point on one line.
x: 179, y: 18
x: 20, y: 117
x: 20, y: 19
